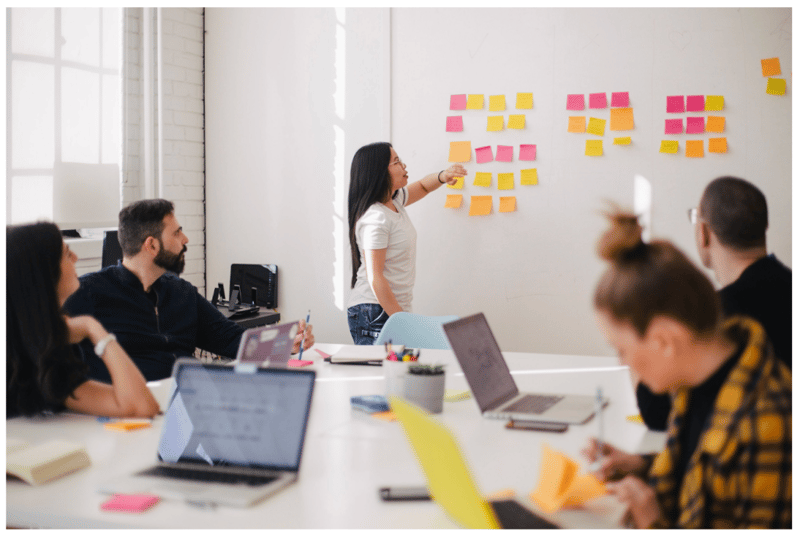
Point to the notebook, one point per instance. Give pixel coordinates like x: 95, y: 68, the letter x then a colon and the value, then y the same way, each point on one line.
x: 493, y: 386
x: 268, y: 343
x: 229, y: 438
x: 449, y: 479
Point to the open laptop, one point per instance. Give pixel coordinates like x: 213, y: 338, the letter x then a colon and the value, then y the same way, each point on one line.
x: 449, y: 479
x: 493, y: 386
x: 268, y: 343
x: 229, y: 438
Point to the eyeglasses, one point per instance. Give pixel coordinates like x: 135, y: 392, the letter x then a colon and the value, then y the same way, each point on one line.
x: 397, y: 161
x: 692, y: 213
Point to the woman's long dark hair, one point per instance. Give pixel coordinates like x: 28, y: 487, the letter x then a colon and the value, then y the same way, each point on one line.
x: 369, y: 183
x: 40, y: 365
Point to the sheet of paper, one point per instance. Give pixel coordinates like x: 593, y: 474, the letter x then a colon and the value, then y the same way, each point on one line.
x: 675, y: 103
x: 597, y: 126
x: 505, y: 181
x: 494, y: 123
x: 516, y: 121
x: 715, y: 102
x: 560, y: 485
x: 622, y: 141
x: 453, y: 201
x: 715, y: 124
x: 575, y: 102
x: 770, y: 67
x: 621, y: 119
x: 597, y: 101
x: 460, y: 151
x: 718, y: 145
x: 483, y: 154
x: 577, y: 124
x: 776, y: 86
x: 620, y: 99
x: 459, y: 183
x: 508, y: 204
x: 483, y: 179
x: 527, y: 152
x: 458, y: 102
x: 504, y: 153
x: 480, y: 205
x: 497, y: 102
x: 695, y: 124
x: 673, y: 127
x: 594, y: 148
x: 669, y: 146
x: 524, y: 101
x: 694, y: 148
x: 695, y: 103
x: 455, y: 123
x: 475, y: 102
x: 529, y: 176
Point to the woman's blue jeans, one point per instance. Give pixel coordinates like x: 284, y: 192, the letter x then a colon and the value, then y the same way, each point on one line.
x: 366, y: 320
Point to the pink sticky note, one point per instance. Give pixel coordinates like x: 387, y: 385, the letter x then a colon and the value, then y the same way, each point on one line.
x: 695, y: 103
x: 695, y: 124
x: 620, y: 99
x: 597, y: 101
x: 458, y: 102
x: 129, y: 503
x: 298, y: 363
x: 504, y: 153
x: 527, y: 152
x: 455, y: 123
x: 672, y: 127
x: 483, y: 154
x: 575, y: 102
x: 675, y: 103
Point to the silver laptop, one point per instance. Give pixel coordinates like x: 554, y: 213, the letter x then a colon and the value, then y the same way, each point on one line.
x: 229, y: 438
x: 268, y: 343
x: 493, y: 386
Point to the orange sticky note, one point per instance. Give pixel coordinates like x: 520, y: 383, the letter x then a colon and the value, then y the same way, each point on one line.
x: 770, y: 67
x: 718, y: 145
x: 385, y: 416
x: 505, y: 180
x: 577, y: 124
x: 502, y: 494
x: 508, y: 204
x: 596, y: 126
x: 594, y: 148
x: 483, y: 179
x: 560, y: 485
x: 453, y: 201
x: 460, y: 151
x: 459, y: 183
x: 529, y: 176
x: 776, y: 86
x: 497, y: 102
x: 715, y: 102
x: 494, y: 123
x: 715, y: 124
x: 475, y: 101
x: 622, y: 141
x: 582, y: 489
x: 516, y: 121
x: 524, y: 100
x: 127, y: 425
x: 694, y: 148
x: 669, y: 146
x: 480, y: 205
x: 621, y: 119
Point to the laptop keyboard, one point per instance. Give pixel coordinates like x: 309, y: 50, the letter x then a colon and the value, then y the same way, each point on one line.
x: 512, y: 515
x: 533, y: 404
x: 206, y: 476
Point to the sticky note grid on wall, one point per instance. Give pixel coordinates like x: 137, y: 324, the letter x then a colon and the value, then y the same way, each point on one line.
x: 620, y: 118
x: 684, y: 116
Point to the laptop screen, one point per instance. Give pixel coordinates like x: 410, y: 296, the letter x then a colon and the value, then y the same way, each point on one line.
x: 222, y: 417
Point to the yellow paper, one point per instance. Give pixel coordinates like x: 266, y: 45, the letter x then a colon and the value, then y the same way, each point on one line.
x: 635, y: 418
x: 516, y: 121
x: 559, y: 484
x: 669, y: 146
x: 718, y: 145
x: 451, y: 395
x: 497, y: 102
x: 494, y: 123
x: 453, y: 201
x: 776, y: 86
x: 715, y: 124
x: 577, y: 124
x: 508, y: 204
x: 715, y: 102
x: 524, y: 101
x: 459, y: 183
x: 694, y: 148
x: 483, y: 179
x: 460, y: 151
x: 475, y: 101
x: 480, y: 205
x: 622, y: 141
x: 596, y: 127
x: 594, y: 148
x: 621, y: 119
x: 770, y: 67
x: 505, y: 180
x: 529, y: 176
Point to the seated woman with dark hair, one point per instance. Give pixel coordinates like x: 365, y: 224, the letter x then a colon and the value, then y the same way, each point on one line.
x: 44, y: 367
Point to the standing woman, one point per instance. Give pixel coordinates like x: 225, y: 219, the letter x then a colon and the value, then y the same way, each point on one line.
x: 383, y: 241
x: 45, y: 371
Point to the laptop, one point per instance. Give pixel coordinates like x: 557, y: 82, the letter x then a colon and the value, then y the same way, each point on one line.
x: 450, y: 481
x: 229, y: 438
x: 493, y: 386
x: 268, y: 343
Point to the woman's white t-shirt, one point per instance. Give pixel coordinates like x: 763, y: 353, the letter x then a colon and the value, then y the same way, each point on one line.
x: 381, y: 228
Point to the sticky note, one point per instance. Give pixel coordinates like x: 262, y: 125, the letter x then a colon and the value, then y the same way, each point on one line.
x: 475, y: 101
x: 575, y: 102
x: 597, y: 126
x: 129, y: 503
x: 669, y: 146
x: 694, y: 148
x: 385, y: 416
x: 776, y: 86
x: 577, y: 124
x: 298, y: 363
x: 718, y: 145
x: 695, y: 124
x: 529, y: 176
x: 560, y: 485
x: 516, y: 121
x: 483, y: 179
x: 597, y: 101
x: 622, y: 141
x: 594, y: 148
x: 505, y: 180
x: 502, y: 494
x: 459, y: 183
x: 583, y: 489
x: 497, y: 102
x: 452, y: 395
x: 458, y: 102
x: 695, y: 103
x: 621, y: 119
x: 524, y: 101
x: 675, y: 103
x: 453, y: 201
x: 127, y: 425
x: 484, y: 154
x: 527, y: 152
x: 673, y: 127
x: 494, y: 123
x: 455, y: 123
x: 635, y: 418
x: 480, y: 205
x: 770, y: 67
x: 504, y: 153
x: 715, y: 102
x: 460, y: 151
x: 620, y: 99
x: 508, y: 204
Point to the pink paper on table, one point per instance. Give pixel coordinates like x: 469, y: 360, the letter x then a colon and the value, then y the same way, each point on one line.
x: 527, y: 152
x: 597, y: 101
x: 321, y: 353
x: 695, y: 103
x: 483, y: 154
x: 458, y: 102
x: 675, y: 103
x: 504, y: 153
x: 575, y: 102
x: 455, y: 123
x: 695, y: 124
x: 672, y: 127
x: 620, y: 99
x: 129, y: 503
x: 299, y: 363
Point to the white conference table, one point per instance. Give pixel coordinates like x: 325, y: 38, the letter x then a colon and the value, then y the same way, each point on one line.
x: 348, y: 455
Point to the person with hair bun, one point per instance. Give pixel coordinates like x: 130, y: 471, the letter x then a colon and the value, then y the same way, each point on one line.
x: 727, y: 461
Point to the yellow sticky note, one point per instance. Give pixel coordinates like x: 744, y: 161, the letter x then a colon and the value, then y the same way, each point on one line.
x: 483, y: 179
x: 453, y: 201
x: 669, y: 146
x: 597, y: 127
x: 460, y: 151
x: 622, y: 141
x: 529, y: 176
x: 494, y: 123
x: 621, y: 119
x: 497, y: 102
x: 715, y: 124
x: 505, y: 180
x: 718, y: 145
x: 694, y: 148
x: 715, y: 102
x: 770, y: 67
x: 635, y: 418
x: 577, y: 124
x: 516, y: 121
x: 524, y: 101
x: 451, y: 395
x: 776, y: 86
x: 508, y: 204
x: 459, y: 183
x: 475, y: 101
x: 594, y: 148
x: 480, y: 205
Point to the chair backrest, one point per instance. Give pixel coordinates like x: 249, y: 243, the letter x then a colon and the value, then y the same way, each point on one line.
x: 415, y: 331
x: 112, y: 252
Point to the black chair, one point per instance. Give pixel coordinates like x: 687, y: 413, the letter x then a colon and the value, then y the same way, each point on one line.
x: 112, y: 252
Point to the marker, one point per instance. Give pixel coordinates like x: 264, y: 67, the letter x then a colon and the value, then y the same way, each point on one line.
x: 303, y: 340
x: 598, y: 411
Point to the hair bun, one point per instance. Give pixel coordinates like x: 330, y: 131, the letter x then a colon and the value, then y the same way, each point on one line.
x: 622, y: 239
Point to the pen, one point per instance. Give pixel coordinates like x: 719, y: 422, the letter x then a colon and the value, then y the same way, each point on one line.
x: 303, y: 340
x: 599, y: 414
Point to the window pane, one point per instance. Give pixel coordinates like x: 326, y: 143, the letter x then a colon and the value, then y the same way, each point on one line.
x: 31, y: 198
x: 80, y: 28
x: 111, y: 148
x: 80, y: 116
x: 112, y: 28
x: 32, y: 115
x: 32, y: 31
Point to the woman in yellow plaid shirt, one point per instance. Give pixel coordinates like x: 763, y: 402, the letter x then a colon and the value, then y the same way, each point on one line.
x: 728, y: 458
